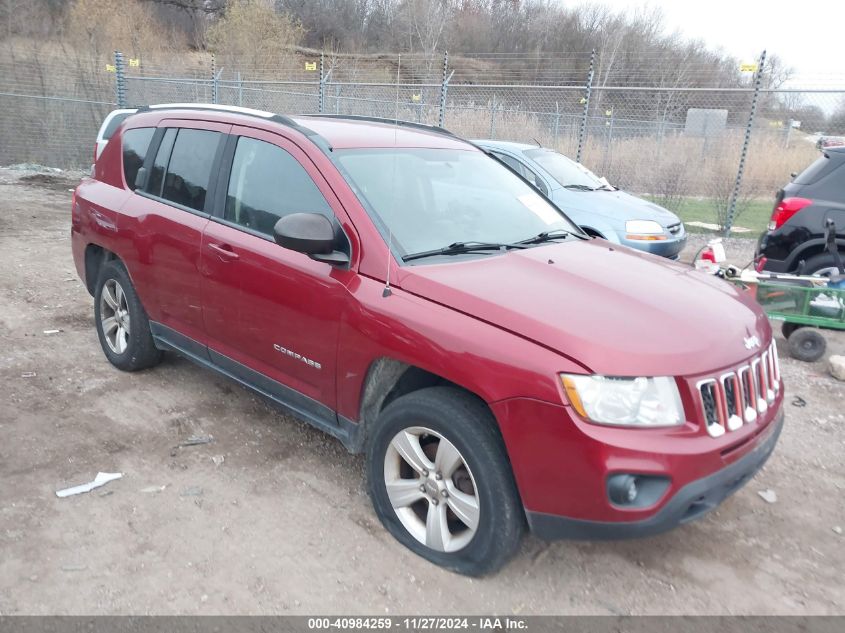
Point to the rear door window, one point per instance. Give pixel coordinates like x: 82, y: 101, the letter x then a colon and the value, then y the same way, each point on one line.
x: 267, y: 183
x: 510, y: 162
x: 522, y: 170
x: 136, y: 142
x: 189, y: 168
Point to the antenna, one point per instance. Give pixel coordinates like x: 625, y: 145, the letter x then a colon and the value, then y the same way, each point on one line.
x: 387, y: 291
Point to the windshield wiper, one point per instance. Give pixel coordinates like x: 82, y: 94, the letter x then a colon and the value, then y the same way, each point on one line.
x: 456, y: 248
x: 580, y: 187
x: 549, y: 236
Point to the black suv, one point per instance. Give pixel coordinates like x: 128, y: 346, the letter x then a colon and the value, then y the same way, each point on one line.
x: 795, y: 239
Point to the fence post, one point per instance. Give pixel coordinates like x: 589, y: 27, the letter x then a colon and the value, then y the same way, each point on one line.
x: 758, y: 80
x: 240, y: 90
x: 493, y: 117
x: 444, y: 84
x: 608, y: 128
x: 119, y: 79
x: 213, y: 80
x: 557, y: 123
x: 582, y: 133
x: 321, y: 102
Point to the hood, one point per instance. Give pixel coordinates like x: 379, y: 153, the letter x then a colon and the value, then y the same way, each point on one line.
x: 614, y: 310
x: 615, y: 205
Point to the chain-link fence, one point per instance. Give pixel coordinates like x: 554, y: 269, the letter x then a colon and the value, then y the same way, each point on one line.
x: 678, y: 135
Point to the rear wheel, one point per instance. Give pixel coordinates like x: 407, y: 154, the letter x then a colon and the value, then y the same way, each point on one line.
x: 822, y: 265
x: 807, y: 344
x: 122, y: 323
x: 441, y: 483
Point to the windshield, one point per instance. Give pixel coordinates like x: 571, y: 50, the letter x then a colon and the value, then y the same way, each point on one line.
x: 426, y: 199
x: 566, y: 172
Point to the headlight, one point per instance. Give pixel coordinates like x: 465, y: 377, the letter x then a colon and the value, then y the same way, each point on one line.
x: 644, y: 230
x: 645, y: 402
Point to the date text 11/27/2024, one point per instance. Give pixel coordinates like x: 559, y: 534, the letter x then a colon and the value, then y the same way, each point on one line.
x: 422, y: 623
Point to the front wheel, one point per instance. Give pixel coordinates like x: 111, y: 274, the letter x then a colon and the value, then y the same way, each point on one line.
x: 440, y: 481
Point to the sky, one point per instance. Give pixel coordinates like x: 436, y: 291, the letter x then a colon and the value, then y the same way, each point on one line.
x: 795, y: 31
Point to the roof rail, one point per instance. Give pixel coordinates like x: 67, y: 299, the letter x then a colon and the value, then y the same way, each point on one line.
x: 262, y: 114
x: 375, y: 119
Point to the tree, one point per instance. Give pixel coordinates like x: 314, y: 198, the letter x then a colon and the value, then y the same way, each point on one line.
x: 100, y: 27
x: 252, y: 34
x: 836, y: 122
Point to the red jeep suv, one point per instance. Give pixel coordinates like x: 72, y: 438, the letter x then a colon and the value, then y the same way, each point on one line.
x: 395, y: 287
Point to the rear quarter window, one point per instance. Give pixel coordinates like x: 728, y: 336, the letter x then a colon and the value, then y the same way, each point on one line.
x: 136, y: 142
x: 820, y: 168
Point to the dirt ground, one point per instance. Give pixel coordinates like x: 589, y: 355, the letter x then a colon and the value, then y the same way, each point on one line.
x: 283, y: 524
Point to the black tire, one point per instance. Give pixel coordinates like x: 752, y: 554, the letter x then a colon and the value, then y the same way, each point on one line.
x: 807, y: 344
x: 140, y: 351
x: 820, y: 262
x: 788, y: 329
x: 468, y: 425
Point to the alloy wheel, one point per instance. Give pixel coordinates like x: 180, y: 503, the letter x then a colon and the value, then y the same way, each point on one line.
x: 114, y: 316
x: 431, y: 489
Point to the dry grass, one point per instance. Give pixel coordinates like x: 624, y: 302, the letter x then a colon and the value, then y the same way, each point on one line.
x: 669, y: 169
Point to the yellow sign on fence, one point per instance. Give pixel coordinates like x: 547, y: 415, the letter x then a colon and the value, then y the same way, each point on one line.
x: 134, y: 62
x: 415, y: 98
x: 110, y: 68
x: 748, y: 67
x: 310, y: 65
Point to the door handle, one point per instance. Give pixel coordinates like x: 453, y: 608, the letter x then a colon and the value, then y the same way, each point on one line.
x: 224, y: 252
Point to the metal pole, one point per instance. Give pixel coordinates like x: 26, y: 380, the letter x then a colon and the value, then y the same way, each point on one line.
x: 582, y: 134
x: 557, y: 122
x: 213, y: 81
x: 758, y: 80
x: 493, y: 118
x: 609, y: 142
x: 240, y: 90
x: 321, y: 104
x: 119, y: 79
x: 441, y: 117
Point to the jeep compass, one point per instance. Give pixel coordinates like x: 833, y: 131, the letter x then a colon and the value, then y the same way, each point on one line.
x: 394, y: 286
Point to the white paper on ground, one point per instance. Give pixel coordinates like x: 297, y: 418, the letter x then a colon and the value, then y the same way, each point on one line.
x: 100, y: 480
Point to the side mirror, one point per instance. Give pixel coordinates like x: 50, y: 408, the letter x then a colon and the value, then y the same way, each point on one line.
x: 309, y: 233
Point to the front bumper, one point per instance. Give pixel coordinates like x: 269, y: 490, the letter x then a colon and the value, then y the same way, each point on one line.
x: 687, y: 504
